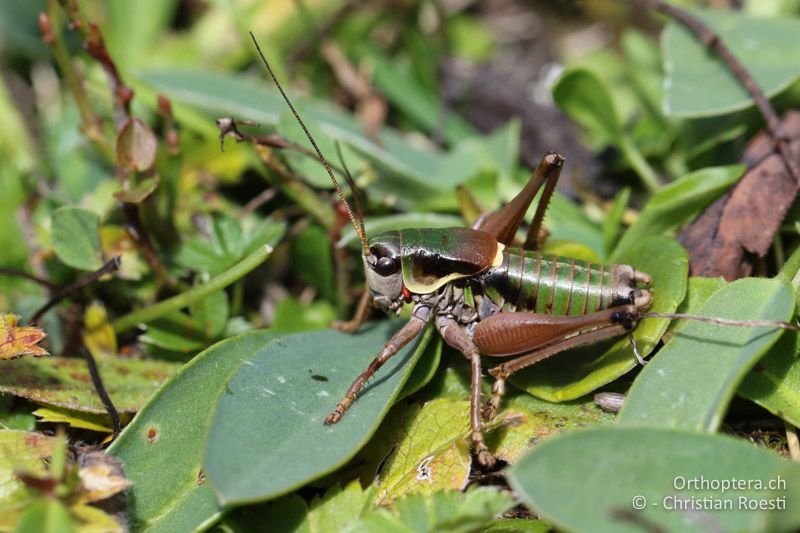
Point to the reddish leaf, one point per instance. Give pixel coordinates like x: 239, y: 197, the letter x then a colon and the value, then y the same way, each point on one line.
x: 16, y: 341
x: 136, y: 146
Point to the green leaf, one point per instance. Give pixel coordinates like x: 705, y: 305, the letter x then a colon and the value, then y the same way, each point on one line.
x: 292, y: 316
x: 450, y: 511
x: 211, y: 314
x: 425, y: 369
x: 698, y: 290
x: 136, y: 146
x: 76, y: 419
x: 678, y: 202
x: 21, y: 451
x: 699, y: 84
x: 169, y: 434
x: 308, y: 167
x: 239, y: 96
x: 140, y: 192
x: 583, y: 481
x: 431, y: 450
x: 527, y: 420
x: 284, y: 515
x: 406, y: 93
x: 494, y: 154
x: 337, y: 510
x: 570, y: 249
x: 134, y: 32
x: 690, y: 382
x: 225, y: 243
x: 175, y: 332
x: 566, y: 221
x: 774, y: 382
x: 570, y: 375
x: 76, y: 237
x: 588, y: 101
x: 311, y: 257
x: 247, y: 460
x: 65, y: 382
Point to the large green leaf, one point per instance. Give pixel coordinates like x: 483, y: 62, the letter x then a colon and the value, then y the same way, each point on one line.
x: 698, y: 83
x: 692, y: 379
x: 66, y: 382
x: 162, y: 448
x: 590, y: 481
x: 268, y: 437
x: 572, y: 374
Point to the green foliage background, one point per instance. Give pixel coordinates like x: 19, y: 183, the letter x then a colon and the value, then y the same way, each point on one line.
x: 220, y: 347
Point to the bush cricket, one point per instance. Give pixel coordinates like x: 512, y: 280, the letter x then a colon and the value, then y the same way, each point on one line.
x: 487, y: 297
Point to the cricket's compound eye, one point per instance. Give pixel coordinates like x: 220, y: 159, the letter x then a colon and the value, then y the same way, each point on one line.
x: 386, y: 266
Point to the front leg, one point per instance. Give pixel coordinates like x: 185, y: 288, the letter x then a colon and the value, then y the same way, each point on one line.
x: 418, y: 321
x: 454, y: 335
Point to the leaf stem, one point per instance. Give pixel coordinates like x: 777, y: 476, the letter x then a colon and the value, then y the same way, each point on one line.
x: 640, y: 164
x: 180, y: 301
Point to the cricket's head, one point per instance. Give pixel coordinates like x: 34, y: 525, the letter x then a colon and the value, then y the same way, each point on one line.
x: 383, y: 270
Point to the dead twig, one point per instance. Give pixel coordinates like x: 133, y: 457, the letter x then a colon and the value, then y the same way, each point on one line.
x: 100, y: 388
x: 24, y: 275
x: 112, y: 265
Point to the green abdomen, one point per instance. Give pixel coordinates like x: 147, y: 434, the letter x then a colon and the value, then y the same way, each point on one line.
x: 529, y: 281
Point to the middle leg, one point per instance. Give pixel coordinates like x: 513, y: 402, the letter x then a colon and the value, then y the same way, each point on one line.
x: 454, y: 335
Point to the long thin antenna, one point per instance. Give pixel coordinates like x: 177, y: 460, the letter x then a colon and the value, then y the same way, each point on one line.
x: 352, y: 184
x: 359, y: 230
x: 725, y: 321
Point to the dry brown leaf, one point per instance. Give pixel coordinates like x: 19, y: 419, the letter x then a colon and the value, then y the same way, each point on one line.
x: 742, y: 224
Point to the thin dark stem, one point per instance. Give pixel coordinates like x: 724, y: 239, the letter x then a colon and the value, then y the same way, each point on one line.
x: 20, y: 274
x: 713, y: 41
x: 112, y: 265
x: 97, y: 381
